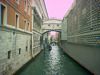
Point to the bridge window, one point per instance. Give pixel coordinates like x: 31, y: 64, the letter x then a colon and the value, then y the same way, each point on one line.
x: 48, y: 24
x: 57, y: 24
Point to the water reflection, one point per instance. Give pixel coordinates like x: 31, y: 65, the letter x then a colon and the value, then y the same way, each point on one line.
x: 53, y: 62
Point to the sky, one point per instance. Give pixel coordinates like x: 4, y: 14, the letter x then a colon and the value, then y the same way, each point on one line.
x: 57, y: 8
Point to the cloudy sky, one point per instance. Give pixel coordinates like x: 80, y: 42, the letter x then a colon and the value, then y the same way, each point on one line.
x: 57, y: 8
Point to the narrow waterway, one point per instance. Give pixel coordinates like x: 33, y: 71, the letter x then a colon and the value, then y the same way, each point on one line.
x: 54, y: 62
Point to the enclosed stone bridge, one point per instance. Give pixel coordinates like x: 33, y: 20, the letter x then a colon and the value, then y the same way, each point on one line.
x: 51, y: 25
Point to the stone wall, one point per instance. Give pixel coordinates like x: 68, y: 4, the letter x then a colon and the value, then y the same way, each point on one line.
x: 36, y: 43
x: 86, y: 56
x: 64, y: 29
x: 15, y: 50
x: 83, y: 24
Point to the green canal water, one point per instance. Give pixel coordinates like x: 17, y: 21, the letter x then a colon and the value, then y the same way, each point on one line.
x: 54, y: 62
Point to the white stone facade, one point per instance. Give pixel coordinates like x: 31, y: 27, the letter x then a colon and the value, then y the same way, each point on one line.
x: 39, y: 14
x: 51, y: 24
x: 15, y: 42
x: 64, y: 29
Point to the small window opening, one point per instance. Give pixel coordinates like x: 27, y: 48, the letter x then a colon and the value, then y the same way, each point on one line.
x: 26, y: 48
x: 9, y: 54
x: 19, y: 50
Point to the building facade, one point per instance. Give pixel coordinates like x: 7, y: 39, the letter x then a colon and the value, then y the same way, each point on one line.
x: 39, y: 13
x: 15, y: 35
x: 37, y: 22
x: 83, y: 23
x: 64, y: 29
x: 82, y: 28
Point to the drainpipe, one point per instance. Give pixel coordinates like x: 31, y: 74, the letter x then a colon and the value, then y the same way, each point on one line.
x: 0, y: 15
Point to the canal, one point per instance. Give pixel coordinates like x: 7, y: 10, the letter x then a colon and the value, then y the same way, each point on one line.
x: 54, y: 62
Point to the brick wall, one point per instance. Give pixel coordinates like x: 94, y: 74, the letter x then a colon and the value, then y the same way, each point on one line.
x: 13, y: 8
x: 10, y: 16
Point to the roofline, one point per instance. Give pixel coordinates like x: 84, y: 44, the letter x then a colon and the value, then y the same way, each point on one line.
x: 50, y: 31
x: 53, y: 19
x: 46, y: 8
x: 42, y: 8
x: 71, y: 8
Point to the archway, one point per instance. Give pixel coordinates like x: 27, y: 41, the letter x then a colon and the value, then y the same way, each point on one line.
x: 45, y: 40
